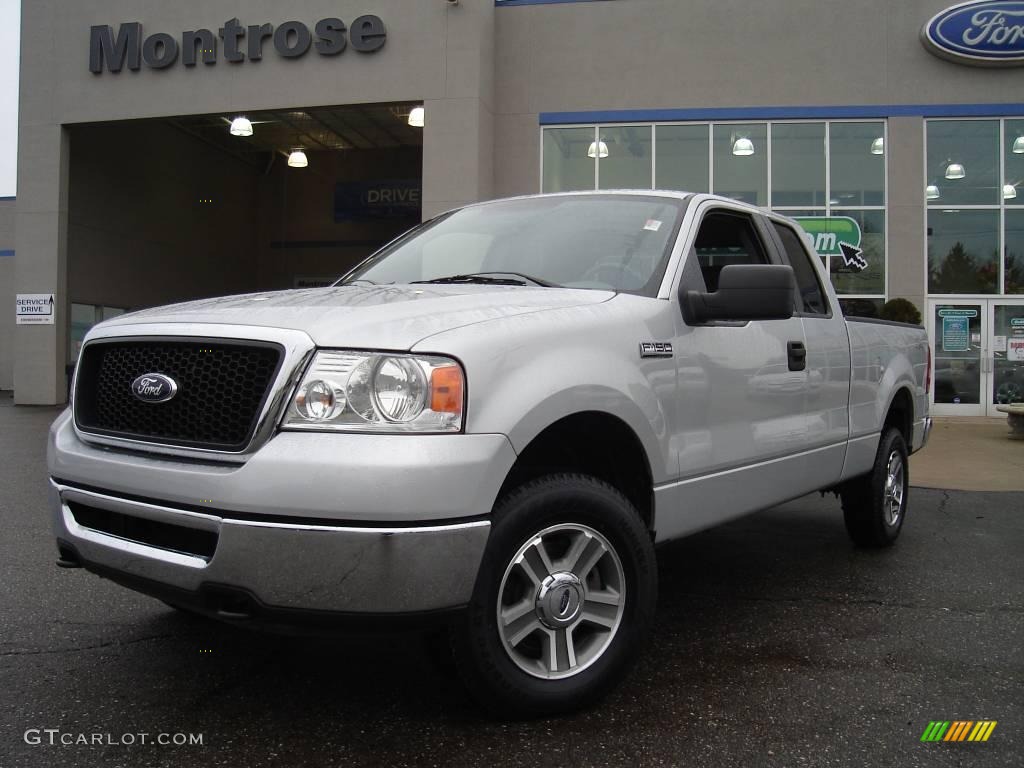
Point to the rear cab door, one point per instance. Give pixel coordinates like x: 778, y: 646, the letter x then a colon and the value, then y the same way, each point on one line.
x: 827, y: 414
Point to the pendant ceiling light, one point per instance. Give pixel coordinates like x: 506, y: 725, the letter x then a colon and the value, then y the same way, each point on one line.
x: 241, y: 126
x: 878, y: 146
x: 931, y: 192
x: 1018, y: 145
x: 298, y: 159
x: 955, y: 171
x: 416, y: 116
x: 597, y: 149
x: 1009, y: 191
x: 743, y: 147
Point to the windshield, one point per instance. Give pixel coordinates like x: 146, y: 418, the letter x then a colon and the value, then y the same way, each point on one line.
x: 614, y: 242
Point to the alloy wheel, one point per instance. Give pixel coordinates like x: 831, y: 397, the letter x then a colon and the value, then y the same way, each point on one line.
x: 561, y: 601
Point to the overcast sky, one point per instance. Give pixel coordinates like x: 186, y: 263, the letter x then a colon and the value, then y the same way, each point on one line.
x: 10, y: 31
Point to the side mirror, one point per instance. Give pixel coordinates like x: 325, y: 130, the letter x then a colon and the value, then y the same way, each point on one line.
x: 745, y: 292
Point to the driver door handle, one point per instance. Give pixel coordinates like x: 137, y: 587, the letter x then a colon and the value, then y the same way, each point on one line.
x: 797, y: 354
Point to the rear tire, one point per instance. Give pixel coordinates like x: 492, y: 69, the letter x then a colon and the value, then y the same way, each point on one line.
x: 564, y: 599
x: 875, y: 504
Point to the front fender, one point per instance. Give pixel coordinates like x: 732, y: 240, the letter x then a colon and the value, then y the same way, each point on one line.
x: 524, y: 400
x: 526, y: 373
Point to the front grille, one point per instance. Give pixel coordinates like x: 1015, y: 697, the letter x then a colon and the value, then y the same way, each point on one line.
x: 176, y: 538
x: 222, y: 387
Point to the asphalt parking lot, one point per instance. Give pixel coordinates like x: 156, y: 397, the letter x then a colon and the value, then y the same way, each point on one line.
x: 777, y: 644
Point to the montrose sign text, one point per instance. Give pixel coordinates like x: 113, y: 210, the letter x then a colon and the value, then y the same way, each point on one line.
x: 131, y: 48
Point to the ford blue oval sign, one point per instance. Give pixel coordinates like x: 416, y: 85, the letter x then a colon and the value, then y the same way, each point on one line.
x: 984, y: 33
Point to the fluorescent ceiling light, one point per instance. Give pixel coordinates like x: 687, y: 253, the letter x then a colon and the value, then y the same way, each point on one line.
x: 931, y: 192
x: 597, y: 149
x: 1009, y: 191
x: 878, y: 146
x: 297, y: 159
x: 743, y: 147
x: 241, y: 126
x: 955, y: 171
x: 1018, y: 145
x: 416, y: 117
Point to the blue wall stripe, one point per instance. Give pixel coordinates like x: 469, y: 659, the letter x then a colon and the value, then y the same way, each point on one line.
x: 12, y: 197
x: 782, y: 113
x: 500, y: 3
x: 9, y: 252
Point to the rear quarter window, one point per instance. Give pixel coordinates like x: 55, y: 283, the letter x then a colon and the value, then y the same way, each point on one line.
x: 811, y: 293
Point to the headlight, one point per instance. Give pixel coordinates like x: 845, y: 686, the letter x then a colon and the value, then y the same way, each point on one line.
x: 378, y: 392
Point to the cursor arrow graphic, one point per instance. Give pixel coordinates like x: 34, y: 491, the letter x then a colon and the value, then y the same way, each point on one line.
x: 853, y: 257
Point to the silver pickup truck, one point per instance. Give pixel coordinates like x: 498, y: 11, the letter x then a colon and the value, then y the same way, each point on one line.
x: 493, y: 421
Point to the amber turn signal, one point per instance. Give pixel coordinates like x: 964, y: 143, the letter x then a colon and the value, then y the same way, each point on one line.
x: 446, y: 389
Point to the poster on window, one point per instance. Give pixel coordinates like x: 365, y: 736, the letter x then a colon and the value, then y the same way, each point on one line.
x: 1015, y: 349
x: 956, y: 336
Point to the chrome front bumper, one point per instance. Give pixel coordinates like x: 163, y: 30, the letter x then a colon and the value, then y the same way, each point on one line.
x: 290, y: 566
x: 353, y: 524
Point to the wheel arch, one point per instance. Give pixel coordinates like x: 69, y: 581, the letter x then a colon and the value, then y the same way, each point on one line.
x: 595, y: 443
x: 900, y: 414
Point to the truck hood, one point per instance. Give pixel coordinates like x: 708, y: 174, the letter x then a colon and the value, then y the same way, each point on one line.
x: 369, y: 316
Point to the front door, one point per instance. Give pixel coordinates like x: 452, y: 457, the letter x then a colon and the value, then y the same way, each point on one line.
x: 742, y: 403
x: 978, y: 353
x: 958, y: 331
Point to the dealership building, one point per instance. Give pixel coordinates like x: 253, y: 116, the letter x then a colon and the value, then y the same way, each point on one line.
x: 171, y: 151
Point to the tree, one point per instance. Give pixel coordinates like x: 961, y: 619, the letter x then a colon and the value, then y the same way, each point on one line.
x: 902, y: 311
x: 959, y: 272
x: 1014, y: 274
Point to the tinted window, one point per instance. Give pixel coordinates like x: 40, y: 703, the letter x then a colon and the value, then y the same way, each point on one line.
x: 724, y: 239
x: 806, y: 278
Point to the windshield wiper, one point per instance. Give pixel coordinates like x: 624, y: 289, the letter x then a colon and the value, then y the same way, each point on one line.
x: 484, y: 278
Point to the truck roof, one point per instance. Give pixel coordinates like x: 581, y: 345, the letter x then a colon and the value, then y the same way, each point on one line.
x: 667, y: 193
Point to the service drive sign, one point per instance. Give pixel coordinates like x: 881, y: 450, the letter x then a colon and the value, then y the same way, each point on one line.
x: 34, y: 308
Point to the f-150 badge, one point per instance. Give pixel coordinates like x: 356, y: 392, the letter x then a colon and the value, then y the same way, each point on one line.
x: 655, y: 349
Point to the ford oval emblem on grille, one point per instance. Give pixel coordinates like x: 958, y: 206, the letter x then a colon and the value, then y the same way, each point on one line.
x: 154, y: 388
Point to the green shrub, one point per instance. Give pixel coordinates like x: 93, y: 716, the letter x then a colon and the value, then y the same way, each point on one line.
x: 901, y: 311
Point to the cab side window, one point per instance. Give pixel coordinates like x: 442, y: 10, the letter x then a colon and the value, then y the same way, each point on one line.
x: 726, y: 238
x: 811, y: 293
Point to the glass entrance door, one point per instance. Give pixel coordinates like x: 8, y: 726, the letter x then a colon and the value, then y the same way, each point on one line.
x: 978, y: 353
x: 958, y: 336
x: 1006, y: 367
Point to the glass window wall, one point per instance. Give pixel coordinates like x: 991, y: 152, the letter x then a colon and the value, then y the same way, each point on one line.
x: 798, y: 164
x: 740, y: 165
x: 974, y: 184
x: 625, y: 160
x: 799, y: 168
x: 683, y: 152
x: 568, y: 165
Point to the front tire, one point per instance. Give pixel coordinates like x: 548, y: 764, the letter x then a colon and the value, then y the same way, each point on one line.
x: 563, y: 601
x: 875, y: 504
